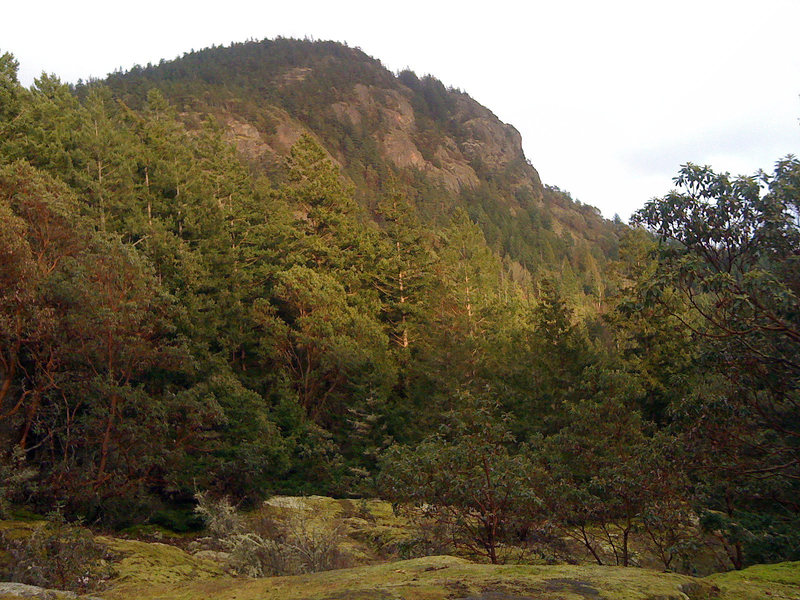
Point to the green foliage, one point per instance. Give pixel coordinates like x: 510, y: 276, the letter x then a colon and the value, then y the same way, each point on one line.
x: 174, y: 315
x: 246, y: 452
x: 325, y: 344
x: 177, y: 520
x: 727, y: 271
x: 472, y: 476
x: 90, y: 323
x: 405, y: 271
x: 9, y: 87
x: 607, y: 472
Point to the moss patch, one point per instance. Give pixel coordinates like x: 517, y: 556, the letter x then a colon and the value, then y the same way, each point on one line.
x: 436, y: 578
x: 20, y: 529
x: 780, y: 581
x: 149, y: 570
x: 148, y: 563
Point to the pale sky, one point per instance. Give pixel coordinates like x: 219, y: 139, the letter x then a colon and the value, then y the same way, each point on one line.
x: 610, y: 97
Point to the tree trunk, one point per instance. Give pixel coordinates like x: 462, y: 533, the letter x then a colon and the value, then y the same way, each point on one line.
x: 107, y: 439
x: 149, y: 199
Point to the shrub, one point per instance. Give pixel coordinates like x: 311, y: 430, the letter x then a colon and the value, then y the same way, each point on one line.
x: 220, y: 516
x: 429, y: 537
x: 316, y: 546
x: 264, y: 547
x: 57, y: 555
x: 256, y: 556
x: 472, y: 477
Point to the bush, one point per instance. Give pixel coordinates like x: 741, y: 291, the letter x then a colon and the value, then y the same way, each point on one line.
x: 256, y: 556
x: 56, y: 555
x: 265, y: 547
x: 430, y: 536
x: 295, y: 547
x: 472, y: 477
x: 316, y: 547
x: 220, y: 516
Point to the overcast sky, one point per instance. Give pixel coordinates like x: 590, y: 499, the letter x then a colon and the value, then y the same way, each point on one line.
x: 610, y: 97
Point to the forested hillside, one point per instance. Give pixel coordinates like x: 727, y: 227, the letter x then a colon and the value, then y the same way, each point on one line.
x: 390, y: 134
x: 279, y: 268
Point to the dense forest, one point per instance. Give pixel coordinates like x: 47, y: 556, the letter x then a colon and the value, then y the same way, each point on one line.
x: 213, y: 283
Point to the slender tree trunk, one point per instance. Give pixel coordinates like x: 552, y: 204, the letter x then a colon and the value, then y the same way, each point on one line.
x: 102, y: 201
x: 492, y: 550
x: 404, y: 342
x: 29, y: 416
x: 589, y: 546
x: 469, y: 298
x: 10, y: 367
x: 107, y: 438
x: 735, y: 553
x: 4, y: 389
x: 149, y: 199
x: 625, y: 547
x: 10, y: 372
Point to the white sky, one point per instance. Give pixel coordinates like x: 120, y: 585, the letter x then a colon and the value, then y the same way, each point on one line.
x: 610, y: 96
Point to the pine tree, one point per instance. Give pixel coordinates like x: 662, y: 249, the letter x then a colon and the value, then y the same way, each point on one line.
x: 405, y: 272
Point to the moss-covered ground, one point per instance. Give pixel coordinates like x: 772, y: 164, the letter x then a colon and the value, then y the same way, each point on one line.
x: 449, y: 578
x: 153, y: 570
x: 761, y: 582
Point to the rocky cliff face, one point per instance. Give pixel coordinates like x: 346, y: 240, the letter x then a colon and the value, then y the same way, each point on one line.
x: 388, y: 116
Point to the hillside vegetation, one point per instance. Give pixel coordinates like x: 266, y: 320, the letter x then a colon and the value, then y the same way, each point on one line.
x: 279, y: 268
x: 391, y: 134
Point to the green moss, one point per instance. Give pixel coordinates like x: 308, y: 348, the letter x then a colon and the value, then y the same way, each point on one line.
x: 441, y: 577
x: 778, y: 581
x: 14, y: 530
x: 787, y: 573
x: 155, y: 570
x: 22, y: 514
x: 146, y: 563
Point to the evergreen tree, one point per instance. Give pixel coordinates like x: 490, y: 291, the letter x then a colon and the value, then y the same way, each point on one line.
x: 405, y: 273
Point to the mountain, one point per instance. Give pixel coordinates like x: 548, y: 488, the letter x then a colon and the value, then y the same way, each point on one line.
x: 388, y: 132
